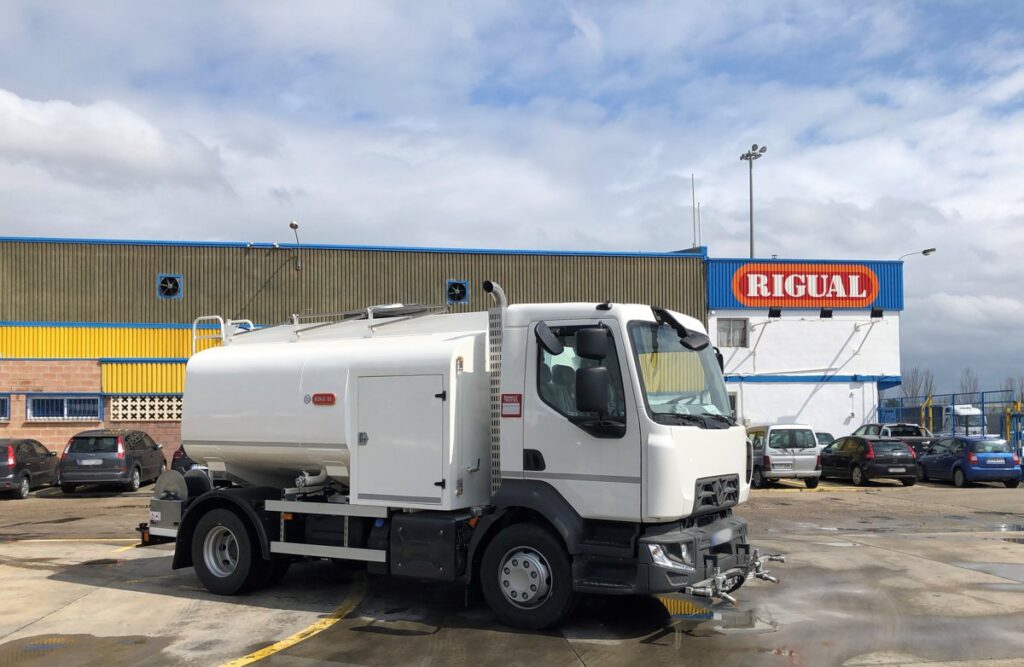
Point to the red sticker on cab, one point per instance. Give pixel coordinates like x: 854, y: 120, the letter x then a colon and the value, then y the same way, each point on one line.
x: 324, y: 399
x: 511, y: 405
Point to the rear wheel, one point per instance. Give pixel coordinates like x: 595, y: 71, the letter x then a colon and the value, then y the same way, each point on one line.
x: 959, y: 478
x: 222, y: 553
x: 526, y: 577
x: 135, y: 482
x: 811, y: 482
x: 908, y: 482
x: 68, y: 488
x: 1012, y: 483
x: 24, y: 486
x: 858, y: 476
x: 757, y: 479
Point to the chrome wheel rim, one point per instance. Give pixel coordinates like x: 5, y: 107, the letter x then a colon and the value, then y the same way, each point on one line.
x: 23, y: 487
x: 858, y: 476
x: 136, y: 480
x: 220, y: 552
x: 524, y: 577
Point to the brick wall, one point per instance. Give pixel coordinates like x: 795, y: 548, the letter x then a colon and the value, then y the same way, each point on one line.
x: 19, y: 377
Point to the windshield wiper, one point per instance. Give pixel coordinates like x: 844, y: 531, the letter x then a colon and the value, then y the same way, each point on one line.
x: 731, y: 421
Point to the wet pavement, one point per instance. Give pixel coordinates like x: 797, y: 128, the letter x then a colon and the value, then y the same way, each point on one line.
x: 878, y: 576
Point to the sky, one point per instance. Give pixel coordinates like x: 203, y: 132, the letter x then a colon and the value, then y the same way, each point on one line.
x: 891, y: 127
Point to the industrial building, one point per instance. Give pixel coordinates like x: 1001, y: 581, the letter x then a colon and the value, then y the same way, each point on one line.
x: 97, y: 332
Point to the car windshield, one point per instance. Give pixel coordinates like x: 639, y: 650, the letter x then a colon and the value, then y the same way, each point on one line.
x: 907, y: 432
x: 792, y: 438
x: 991, y: 447
x: 887, y: 447
x: 93, y: 445
x: 824, y: 438
x: 678, y: 381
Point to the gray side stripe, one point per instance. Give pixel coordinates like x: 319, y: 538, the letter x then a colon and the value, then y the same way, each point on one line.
x: 406, y: 499
x: 572, y: 477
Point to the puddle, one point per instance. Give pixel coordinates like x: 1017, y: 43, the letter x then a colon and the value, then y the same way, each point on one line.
x: 1011, y: 571
x: 81, y: 649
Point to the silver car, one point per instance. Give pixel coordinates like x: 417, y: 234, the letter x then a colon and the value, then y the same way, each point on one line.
x: 784, y: 451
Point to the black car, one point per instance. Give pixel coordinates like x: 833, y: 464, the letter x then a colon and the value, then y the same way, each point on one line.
x: 108, y: 456
x: 863, y: 459
x: 26, y: 465
x: 182, y: 462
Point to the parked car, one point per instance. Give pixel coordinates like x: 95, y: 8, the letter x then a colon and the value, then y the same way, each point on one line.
x: 824, y: 439
x: 182, y: 462
x: 108, y: 456
x: 918, y: 437
x: 966, y: 459
x: 784, y: 451
x: 26, y: 465
x: 861, y: 459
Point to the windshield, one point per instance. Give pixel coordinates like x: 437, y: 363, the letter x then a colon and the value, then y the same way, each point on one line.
x: 991, y: 447
x: 679, y: 383
x: 968, y: 420
x: 792, y: 438
x: 907, y: 432
x: 889, y: 447
x: 98, y: 445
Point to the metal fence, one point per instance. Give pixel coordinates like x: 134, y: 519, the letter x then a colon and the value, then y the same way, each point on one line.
x: 977, y: 413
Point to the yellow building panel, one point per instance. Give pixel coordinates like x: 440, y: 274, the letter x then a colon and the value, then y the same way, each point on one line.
x: 672, y: 372
x: 143, y: 378
x: 77, y: 342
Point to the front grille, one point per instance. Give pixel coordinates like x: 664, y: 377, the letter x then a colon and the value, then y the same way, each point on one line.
x: 715, y: 493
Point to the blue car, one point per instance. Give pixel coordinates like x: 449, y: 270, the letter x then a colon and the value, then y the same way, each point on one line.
x: 966, y: 459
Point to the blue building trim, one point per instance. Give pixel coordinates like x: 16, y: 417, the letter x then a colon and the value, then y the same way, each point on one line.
x: 700, y: 252
x: 884, y: 381
x: 5, y: 407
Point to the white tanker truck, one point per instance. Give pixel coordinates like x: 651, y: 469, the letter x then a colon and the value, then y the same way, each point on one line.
x: 538, y: 451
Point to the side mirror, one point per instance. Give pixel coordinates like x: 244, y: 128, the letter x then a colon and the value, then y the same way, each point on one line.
x: 158, y: 446
x: 592, y: 343
x: 720, y: 359
x: 49, y: 454
x: 592, y: 386
x: 548, y: 340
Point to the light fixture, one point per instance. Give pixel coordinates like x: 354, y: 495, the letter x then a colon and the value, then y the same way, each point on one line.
x: 826, y: 314
x: 774, y: 313
x: 298, y: 257
x: 877, y: 313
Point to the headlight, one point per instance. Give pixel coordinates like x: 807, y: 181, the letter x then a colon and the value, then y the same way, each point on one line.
x: 659, y: 556
x: 676, y: 556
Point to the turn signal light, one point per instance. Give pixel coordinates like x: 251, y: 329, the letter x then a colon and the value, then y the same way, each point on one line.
x: 10, y: 456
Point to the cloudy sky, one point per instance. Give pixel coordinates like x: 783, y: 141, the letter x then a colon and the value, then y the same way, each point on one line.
x: 891, y: 127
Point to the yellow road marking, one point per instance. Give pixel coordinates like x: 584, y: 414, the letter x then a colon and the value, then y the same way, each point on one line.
x: 127, y: 548
x: 355, y: 596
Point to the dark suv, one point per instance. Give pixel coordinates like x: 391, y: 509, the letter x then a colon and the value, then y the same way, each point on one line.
x: 25, y: 465
x: 110, y: 456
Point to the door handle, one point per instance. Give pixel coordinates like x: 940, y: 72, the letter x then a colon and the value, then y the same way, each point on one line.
x: 364, y: 438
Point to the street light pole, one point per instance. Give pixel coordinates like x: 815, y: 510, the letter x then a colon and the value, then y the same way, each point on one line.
x: 925, y: 252
x: 754, y: 153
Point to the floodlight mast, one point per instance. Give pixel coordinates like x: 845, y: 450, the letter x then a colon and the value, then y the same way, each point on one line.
x: 754, y: 153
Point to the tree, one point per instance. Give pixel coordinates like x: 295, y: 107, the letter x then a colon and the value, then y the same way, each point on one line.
x: 927, y: 383
x: 1014, y: 386
x: 968, y: 381
x: 917, y: 382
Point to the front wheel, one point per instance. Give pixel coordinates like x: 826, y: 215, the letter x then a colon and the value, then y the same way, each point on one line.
x: 858, y: 476
x: 959, y: 478
x: 1011, y: 483
x: 222, y: 553
x: 526, y: 577
x: 908, y: 482
x: 811, y: 482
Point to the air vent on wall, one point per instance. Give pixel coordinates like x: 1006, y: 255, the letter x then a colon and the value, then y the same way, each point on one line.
x: 168, y: 286
x: 457, y: 292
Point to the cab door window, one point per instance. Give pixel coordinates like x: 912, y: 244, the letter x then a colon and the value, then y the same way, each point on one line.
x: 556, y: 377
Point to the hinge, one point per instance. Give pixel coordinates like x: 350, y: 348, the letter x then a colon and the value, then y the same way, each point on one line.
x: 443, y: 395
x: 441, y: 484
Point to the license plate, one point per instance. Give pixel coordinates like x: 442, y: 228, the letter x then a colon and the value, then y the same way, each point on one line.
x: 897, y: 469
x: 90, y: 462
x: 995, y: 462
x: 782, y: 466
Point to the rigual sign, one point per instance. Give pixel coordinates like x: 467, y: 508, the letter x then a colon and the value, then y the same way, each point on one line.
x: 805, y: 285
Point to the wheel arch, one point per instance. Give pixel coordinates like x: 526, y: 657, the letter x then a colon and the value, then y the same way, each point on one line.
x: 244, y: 502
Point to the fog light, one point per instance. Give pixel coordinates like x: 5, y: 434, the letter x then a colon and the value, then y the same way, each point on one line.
x: 659, y: 555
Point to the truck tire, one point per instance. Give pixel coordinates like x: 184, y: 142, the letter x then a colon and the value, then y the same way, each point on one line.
x: 811, y: 482
x: 526, y: 577
x: 222, y: 553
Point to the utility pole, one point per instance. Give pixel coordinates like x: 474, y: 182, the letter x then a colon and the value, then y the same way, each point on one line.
x: 754, y: 153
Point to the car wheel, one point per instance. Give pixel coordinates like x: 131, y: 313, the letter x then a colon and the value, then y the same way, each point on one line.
x: 68, y: 488
x: 24, y: 486
x: 135, y: 482
x: 222, y: 553
x: 811, y: 482
x: 908, y: 482
x: 858, y: 476
x: 526, y: 577
x: 1011, y: 483
x: 922, y: 476
x: 959, y: 478
x: 757, y: 479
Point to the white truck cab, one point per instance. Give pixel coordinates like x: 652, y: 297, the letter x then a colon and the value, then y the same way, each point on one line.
x: 542, y: 450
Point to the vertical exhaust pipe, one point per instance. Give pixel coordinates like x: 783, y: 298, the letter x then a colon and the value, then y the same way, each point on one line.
x: 495, y: 327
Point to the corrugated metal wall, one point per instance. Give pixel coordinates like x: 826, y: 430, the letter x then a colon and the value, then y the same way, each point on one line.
x: 143, y: 378
x: 98, y: 282
x: 70, y: 342
x: 721, y: 271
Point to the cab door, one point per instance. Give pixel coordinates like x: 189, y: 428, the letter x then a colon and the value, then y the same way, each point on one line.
x: 592, y: 460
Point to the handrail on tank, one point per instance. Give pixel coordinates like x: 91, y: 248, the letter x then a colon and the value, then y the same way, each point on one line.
x: 207, y: 318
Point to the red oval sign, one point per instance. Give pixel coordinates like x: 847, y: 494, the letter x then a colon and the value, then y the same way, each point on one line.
x: 324, y: 399
x: 799, y: 285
